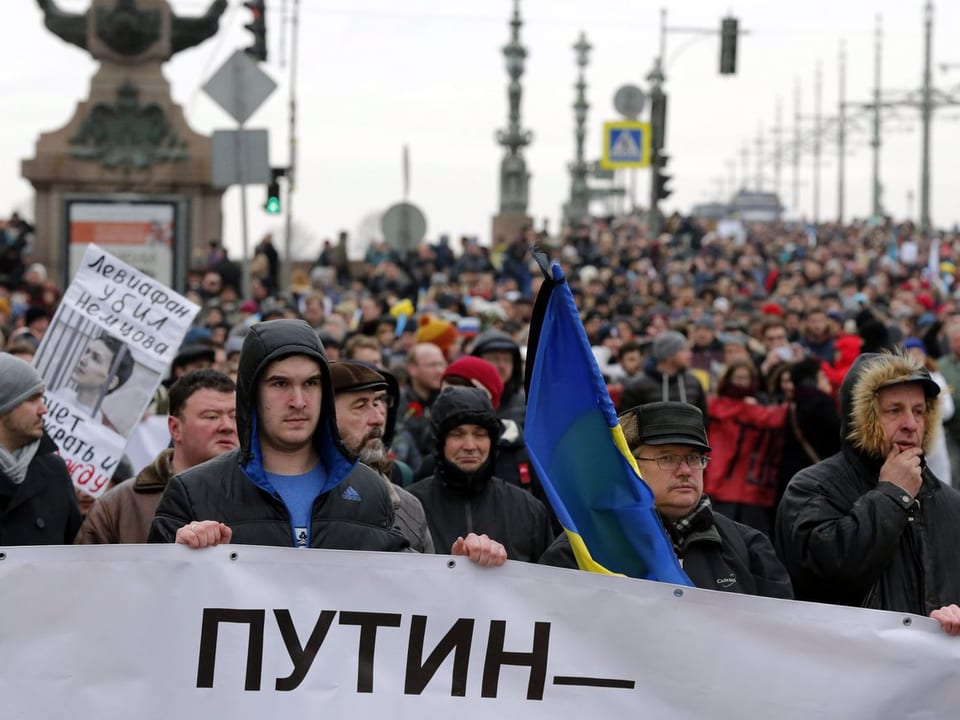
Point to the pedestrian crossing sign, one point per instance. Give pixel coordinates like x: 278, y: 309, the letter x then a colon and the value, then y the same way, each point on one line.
x: 625, y: 145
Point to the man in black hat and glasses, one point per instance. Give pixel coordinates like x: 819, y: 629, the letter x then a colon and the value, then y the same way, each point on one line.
x: 669, y: 442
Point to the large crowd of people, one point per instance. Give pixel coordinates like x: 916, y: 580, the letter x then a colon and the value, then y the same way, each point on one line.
x: 809, y: 375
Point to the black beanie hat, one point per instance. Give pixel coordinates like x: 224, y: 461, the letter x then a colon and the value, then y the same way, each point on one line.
x: 804, y: 372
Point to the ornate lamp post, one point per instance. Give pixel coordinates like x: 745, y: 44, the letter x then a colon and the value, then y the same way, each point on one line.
x: 514, y: 178
x: 578, y: 209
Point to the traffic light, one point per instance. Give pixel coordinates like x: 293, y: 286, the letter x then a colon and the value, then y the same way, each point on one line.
x: 273, y: 205
x: 660, y: 179
x: 258, y: 28
x: 728, y: 46
x: 658, y: 120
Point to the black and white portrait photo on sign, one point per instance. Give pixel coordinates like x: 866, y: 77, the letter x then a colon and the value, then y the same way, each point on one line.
x: 95, y: 372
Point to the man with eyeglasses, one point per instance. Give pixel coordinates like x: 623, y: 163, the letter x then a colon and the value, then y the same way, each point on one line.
x: 669, y: 442
x: 363, y: 404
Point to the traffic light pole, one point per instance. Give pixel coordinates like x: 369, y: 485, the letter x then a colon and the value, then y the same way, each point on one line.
x: 657, y: 134
x: 729, y: 31
x: 292, y: 160
x: 241, y: 170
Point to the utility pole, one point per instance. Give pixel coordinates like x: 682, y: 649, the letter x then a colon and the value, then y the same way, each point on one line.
x: 926, y: 100
x: 292, y: 163
x: 841, y: 131
x: 926, y: 114
x: 729, y: 32
x: 778, y: 147
x: 657, y: 101
x: 796, y: 145
x: 759, y: 158
x: 744, y: 162
x: 875, y: 142
x: 657, y: 107
x: 817, y: 138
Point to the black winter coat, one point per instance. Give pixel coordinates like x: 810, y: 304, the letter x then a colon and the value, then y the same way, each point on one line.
x: 356, y: 515
x: 42, y: 510
x: 355, y: 512
x: 847, y: 538
x: 653, y: 386
x: 458, y: 503
x: 731, y: 557
x: 817, y: 419
x: 506, y: 513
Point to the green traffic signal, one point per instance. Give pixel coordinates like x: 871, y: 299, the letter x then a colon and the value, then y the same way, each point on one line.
x: 272, y: 206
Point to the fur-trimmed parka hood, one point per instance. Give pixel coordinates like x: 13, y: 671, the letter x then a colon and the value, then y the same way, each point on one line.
x: 860, y: 426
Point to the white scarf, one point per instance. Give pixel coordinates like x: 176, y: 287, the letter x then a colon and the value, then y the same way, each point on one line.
x: 14, y: 464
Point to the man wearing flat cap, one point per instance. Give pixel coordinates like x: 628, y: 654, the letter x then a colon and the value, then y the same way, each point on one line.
x: 37, y: 501
x: 666, y: 375
x: 871, y: 526
x: 366, y: 414
x: 669, y: 442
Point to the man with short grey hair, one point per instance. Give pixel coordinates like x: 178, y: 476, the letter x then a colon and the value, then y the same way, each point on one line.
x: 37, y: 502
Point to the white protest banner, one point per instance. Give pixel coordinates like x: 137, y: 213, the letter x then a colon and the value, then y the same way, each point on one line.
x: 251, y: 632
x: 110, y: 342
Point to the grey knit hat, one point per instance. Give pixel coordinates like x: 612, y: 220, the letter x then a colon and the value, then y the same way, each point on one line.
x: 667, y: 344
x: 19, y: 381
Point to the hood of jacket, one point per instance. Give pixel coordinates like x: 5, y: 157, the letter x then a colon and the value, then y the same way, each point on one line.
x: 274, y: 340
x: 860, y: 427
x: 491, y: 340
x: 393, y: 392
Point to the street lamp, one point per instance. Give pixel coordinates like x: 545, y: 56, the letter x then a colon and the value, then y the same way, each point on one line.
x: 578, y: 209
x: 514, y: 178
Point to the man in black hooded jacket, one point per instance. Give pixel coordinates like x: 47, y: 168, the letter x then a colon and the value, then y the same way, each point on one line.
x: 463, y: 496
x: 291, y: 482
x: 871, y: 526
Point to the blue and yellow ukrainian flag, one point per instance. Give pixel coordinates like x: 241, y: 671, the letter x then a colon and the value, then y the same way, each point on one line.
x: 578, y: 449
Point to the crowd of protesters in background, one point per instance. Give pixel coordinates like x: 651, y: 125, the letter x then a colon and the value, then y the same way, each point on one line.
x: 721, y: 322
x: 757, y: 329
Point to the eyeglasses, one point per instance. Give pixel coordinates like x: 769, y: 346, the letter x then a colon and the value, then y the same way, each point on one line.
x: 671, y: 462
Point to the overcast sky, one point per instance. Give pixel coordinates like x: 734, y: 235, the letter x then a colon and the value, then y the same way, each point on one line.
x: 378, y: 74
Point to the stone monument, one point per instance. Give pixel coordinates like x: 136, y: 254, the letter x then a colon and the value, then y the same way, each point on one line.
x: 127, y: 158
